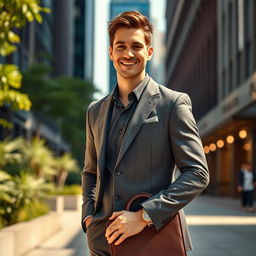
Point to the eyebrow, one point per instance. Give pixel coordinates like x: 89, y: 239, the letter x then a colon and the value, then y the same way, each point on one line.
x: 122, y: 42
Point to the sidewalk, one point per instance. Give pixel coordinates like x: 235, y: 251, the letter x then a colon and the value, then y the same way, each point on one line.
x: 70, y: 241
x: 217, y: 227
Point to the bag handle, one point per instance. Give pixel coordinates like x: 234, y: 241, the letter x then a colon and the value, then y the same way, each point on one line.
x: 135, y: 197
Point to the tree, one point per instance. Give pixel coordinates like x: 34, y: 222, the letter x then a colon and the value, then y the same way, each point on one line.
x: 14, y: 14
x: 38, y: 158
x: 65, y: 99
x: 64, y: 165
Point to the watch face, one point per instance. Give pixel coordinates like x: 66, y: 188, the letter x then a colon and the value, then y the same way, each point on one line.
x: 146, y: 216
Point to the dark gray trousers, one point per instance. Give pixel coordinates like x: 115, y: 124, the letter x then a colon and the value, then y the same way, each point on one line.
x: 96, y: 239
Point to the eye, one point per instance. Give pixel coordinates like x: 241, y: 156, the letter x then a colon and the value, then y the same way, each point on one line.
x: 137, y: 47
x: 120, y: 47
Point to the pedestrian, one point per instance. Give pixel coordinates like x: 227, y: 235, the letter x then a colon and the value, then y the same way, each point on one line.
x: 246, y: 184
x: 135, y: 138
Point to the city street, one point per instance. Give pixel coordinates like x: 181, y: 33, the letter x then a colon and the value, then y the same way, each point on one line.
x: 217, y: 227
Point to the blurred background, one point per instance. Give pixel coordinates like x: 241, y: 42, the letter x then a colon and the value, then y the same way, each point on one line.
x: 54, y: 62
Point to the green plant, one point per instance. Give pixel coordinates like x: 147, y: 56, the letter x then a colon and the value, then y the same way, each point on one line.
x: 67, y: 190
x: 64, y: 99
x: 9, y: 151
x: 21, y: 197
x: 63, y: 166
x: 38, y: 158
x: 14, y: 14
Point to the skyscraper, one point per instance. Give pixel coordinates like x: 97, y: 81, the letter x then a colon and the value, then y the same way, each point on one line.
x: 211, y: 48
x: 84, y: 39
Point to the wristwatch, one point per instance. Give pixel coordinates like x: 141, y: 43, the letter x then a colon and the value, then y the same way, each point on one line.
x: 146, y: 217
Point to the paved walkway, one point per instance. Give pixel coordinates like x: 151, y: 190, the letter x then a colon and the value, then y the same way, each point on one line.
x: 70, y: 241
x: 217, y: 227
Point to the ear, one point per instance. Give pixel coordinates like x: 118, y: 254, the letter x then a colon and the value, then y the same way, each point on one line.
x: 110, y: 51
x: 150, y: 52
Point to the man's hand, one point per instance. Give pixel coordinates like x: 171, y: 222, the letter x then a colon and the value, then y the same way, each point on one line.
x: 88, y: 221
x: 239, y: 188
x: 125, y: 224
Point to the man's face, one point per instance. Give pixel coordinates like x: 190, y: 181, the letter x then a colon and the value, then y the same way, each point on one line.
x: 249, y: 167
x: 130, y: 52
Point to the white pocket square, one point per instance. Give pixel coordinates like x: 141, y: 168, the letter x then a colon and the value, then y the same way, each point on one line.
x: 153, y: 119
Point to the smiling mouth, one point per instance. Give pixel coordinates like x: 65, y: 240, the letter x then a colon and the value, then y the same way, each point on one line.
x: 127, y: 64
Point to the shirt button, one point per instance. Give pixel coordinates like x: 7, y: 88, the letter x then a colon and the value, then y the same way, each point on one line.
x: 117, y: 197
x: 117, y: 173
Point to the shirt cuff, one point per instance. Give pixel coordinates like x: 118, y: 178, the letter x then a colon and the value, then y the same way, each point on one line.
x: 86, y: 218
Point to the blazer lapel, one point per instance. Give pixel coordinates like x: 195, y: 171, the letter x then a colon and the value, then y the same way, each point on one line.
x: 103, y: 122
x: 146, y: 104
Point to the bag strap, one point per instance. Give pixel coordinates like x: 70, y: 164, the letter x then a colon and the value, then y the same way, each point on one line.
x: 135, y: 197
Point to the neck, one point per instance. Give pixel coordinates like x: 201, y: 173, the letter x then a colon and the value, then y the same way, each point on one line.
x: 127, y: 85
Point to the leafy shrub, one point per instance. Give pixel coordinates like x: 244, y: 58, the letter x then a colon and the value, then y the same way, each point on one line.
x: 68, y: 190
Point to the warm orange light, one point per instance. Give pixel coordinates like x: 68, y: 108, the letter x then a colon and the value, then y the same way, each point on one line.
x: 230, y: 139
x: 220, y: 143
x: 247, y: 146
x: 206, y: 149
x: 212, y: 147
x: 243, y: 134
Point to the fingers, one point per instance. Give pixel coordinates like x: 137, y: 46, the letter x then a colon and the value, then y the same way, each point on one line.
x: 111, y: 229
x: 114, y: 236
x: 115, y: 225
x: 121, y: 239
x: 116, y: 214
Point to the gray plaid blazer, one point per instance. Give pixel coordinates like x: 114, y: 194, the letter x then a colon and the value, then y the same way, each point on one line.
x: 161, y: 135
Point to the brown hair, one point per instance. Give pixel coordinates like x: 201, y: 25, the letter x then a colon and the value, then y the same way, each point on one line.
x: 132, y: 19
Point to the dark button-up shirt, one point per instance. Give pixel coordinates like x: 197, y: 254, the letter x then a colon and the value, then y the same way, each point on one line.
x: 119, y: 118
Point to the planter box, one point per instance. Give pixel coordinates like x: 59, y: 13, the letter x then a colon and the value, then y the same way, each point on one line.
x: 61, y: 203
x: 18, y: 239
x: 55, y: 203
x: 73, y: 202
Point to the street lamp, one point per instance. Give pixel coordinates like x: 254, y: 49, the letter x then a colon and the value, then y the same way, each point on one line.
x: 212, y: 147
x: 230, y: 139
x: 206, y: 149
x: 243, y: 134
x: 220, y: 143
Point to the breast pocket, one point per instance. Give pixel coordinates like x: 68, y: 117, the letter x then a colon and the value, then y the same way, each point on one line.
x: 152, y: 125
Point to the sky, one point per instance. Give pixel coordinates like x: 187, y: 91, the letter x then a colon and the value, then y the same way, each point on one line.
x: 101, y: 59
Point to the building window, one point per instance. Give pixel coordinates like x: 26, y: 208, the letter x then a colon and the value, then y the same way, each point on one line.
x: 224, y: 42
x: 248, y: 60
x: 223, y: 84
x: 248, y: 38
x: 238, y: 69
x: 230, y: 32
x: 240, y: 15
x: 230, y: 76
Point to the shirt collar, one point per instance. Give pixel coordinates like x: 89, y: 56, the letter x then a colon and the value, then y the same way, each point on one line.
x: 137, y: 91
x: 141, y: 86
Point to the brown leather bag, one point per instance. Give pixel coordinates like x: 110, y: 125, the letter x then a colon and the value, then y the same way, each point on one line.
x: 166, y: 241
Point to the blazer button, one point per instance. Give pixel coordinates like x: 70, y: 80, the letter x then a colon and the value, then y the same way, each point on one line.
x: 117, y: 197
x: 121, y: 131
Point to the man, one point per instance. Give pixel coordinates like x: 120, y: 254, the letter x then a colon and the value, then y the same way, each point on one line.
x: 246, y: 184
x: 134, y: 139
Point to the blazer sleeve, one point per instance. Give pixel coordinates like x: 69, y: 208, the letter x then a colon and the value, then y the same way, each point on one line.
x: 189, y: 157
x: 88, y: 174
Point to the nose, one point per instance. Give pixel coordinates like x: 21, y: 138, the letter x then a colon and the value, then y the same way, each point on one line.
x: 128, y: 53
